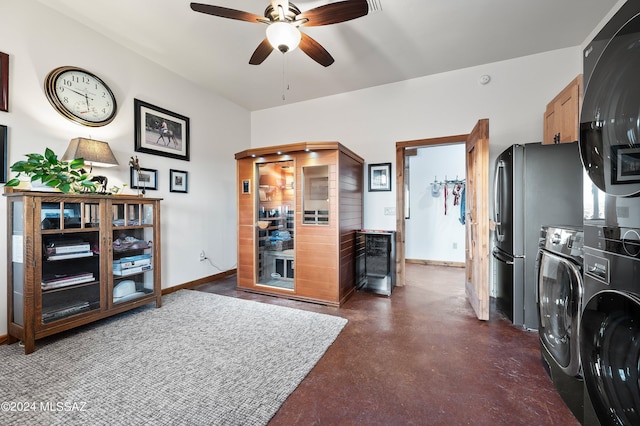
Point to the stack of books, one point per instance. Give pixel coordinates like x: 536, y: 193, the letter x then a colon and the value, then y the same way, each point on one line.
x: 132, y: 265
x: 59, y: 250
x: 64, y: 280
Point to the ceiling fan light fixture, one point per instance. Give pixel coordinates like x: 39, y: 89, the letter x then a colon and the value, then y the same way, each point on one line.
x: 283, y: 36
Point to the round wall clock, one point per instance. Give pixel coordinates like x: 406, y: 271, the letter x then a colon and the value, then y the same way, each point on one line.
x: 81, y: 96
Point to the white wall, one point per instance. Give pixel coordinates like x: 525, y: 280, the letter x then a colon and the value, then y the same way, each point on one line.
x: 371, y: 121
x: 433, y: 232
x: 39, y: 40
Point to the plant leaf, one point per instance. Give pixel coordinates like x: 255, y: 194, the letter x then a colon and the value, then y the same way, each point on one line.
x: 35, y: 157
x: 18, y: 166
x: 77, y: 163
x: 50, y: 156
x: 64, y: 187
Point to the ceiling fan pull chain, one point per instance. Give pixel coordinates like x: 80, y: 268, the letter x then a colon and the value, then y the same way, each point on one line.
x: 285, y: 83
x: 283, y: 75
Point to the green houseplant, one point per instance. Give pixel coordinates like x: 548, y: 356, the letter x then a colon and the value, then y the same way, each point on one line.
x: 65, y: 176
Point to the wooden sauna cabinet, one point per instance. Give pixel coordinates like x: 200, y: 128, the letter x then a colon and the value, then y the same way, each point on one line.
x: 299, y: 207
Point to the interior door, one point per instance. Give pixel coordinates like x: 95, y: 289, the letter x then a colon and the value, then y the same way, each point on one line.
x: 477, y: 219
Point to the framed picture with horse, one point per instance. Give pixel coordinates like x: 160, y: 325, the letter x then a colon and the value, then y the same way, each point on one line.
x: 160, y: 132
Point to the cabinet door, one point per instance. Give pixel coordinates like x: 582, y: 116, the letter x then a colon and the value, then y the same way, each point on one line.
x: 562, y: 115
x: 275, y: 233
x: 131, y: 247
x: 68, y: 250
x: 550, y: 127
x: 568, y: 104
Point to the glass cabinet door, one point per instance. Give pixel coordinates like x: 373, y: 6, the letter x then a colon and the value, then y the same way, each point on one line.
x: 315, y: 207
x: 17, y: 261
x: 132, y: 251
x: 70, y: 274
x: 275, y: 227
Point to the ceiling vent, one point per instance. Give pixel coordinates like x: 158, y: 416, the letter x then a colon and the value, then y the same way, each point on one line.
x: 374, y: 6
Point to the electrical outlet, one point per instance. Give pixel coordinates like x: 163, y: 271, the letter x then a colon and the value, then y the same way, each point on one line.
x: 455, y: 246
x: 202, y: 256
x: 389, y: 211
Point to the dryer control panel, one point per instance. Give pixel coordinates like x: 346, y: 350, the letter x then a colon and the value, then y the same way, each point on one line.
x: 613, y: 239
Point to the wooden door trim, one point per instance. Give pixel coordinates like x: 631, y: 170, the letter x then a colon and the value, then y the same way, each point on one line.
x: 401, y: 147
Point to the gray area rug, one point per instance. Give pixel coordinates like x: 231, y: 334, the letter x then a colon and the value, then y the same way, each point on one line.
x: 201, y: 359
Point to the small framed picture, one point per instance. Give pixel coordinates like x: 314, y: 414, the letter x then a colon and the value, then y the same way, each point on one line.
x: 160, y: 132
x: 4, y: 82
x: 144, y: 179
x: 178, y: 181
x: 380, y: 177
x: 246, y: 186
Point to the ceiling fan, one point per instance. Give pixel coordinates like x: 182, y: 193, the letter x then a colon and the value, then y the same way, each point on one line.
x: 283, y: 19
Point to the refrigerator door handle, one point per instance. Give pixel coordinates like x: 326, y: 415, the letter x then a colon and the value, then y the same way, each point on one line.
x: 498, y: 255
x: 497, y: 205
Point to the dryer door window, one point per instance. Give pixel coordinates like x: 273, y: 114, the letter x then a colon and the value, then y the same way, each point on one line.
x: 559, y: 296
x: 610, y: 350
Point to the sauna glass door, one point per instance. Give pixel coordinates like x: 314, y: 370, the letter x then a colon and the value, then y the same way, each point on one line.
x: 275, y: 226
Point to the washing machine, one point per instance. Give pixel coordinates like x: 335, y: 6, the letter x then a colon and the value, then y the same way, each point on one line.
x: 610, y: 152
x: 559, y: 302
x: 610, y: 326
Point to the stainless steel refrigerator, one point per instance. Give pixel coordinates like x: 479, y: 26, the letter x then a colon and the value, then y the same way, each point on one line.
x: 534, y: 185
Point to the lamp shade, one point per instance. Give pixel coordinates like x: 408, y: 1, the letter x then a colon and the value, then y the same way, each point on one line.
x: 283, y: 36
x: 268, y: 179
x: 95, y: 153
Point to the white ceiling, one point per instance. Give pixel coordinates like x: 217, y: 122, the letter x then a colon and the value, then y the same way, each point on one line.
x: 404, y: 39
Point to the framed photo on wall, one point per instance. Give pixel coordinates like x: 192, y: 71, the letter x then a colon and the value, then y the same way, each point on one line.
x: 160, y: 132
x: 4, y: 82
x: 380, y: 177
x: 144, y: 179
x: 178, y: 181
x: 246, y: 186
x: 3, y: 154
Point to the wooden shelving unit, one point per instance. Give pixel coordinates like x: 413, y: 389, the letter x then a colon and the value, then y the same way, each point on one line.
x: 74, y: 259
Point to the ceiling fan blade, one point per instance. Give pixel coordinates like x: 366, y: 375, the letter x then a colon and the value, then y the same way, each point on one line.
x: 261, y: 53
x: 334, y: 13
x: 315, y: 51
x: 225, y: 12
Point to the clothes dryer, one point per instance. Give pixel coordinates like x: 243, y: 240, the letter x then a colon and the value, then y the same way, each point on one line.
x: 559, y: 302
x: 610, y: 153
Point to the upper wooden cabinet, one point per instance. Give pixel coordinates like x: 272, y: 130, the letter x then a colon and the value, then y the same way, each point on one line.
x: 299, y: 207
x: 561, y: 119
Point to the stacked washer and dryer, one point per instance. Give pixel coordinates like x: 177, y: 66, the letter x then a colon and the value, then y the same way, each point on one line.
x: 609, y: 333
x: 589, y: 279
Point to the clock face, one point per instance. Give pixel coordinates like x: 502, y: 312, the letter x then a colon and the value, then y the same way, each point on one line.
x: 80, y: 96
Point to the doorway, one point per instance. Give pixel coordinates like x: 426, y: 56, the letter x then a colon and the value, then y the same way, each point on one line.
x: 434, y: 205
x: 476, y: 211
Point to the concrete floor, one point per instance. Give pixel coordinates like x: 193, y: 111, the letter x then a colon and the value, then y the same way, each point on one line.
x: 419, y: 357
